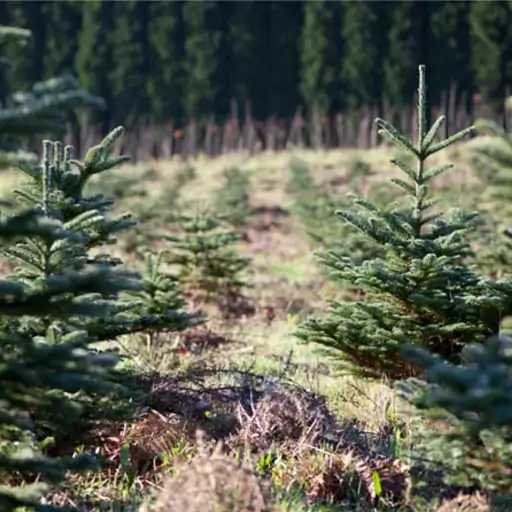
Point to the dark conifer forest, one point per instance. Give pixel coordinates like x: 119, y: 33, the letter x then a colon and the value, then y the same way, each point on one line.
x: 168, y: 61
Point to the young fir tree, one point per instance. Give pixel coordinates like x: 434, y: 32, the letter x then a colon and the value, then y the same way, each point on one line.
x: 474, y: 401
x: 58, y: 186
x: 208, y: 266
x: 421, y: 291
x: 493, y: 161
x: 232, y: 200
x: 153, y: 215
x: 162, y: 301
x: 42, y: 374
x: 41, y: 109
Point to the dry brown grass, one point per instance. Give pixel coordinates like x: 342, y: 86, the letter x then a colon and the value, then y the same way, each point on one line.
x: 466, y: 503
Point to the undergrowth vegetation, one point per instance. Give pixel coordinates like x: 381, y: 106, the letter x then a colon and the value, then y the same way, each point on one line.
x: 151, y: 360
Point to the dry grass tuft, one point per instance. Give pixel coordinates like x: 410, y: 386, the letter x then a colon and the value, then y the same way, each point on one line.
x: 284, y: 414
x: 345, y: 478
x: 213, y: 483
x: 466, y: 503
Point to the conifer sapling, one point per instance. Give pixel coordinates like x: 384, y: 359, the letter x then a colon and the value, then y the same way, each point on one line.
x: 44, y: 372
x: 421, y: 290
x: 474, y: 402
x: 207, y: 263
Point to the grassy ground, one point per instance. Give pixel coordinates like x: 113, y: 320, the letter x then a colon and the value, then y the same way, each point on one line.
x: 327, y: 455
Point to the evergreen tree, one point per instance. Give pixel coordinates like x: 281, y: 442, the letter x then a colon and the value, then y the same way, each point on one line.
x: 450, y: 43
x: 44, y: 378
x: 46, y: 365
x: 164, y: 83
x: 161, y: 301
x: 247, y: 71
x: 316, y: 208
x: 318, y: 53
x: 60, y: 46
x: 93, y: 59
x: 421, y: 291
x: 232, y: 200
x: 59, y: 189
x: 42, y: 109
x: 30, y: 16
x: 491, y: 47
x: 474, y: 403
x: 364, y: 47
x: 282, y: 70
x: 202, y: 41
x: 128, y: 43
x: 408, y: 45
x: 493, y: 161
x: 205, y: 261
x: 79, y: 315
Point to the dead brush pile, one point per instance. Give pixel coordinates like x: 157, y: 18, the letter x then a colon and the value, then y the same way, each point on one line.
x: 313, y: 454
x: 282, y: 414
x: 256, y: 418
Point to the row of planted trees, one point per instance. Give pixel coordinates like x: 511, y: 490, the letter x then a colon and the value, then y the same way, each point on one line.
x: 66, y: 294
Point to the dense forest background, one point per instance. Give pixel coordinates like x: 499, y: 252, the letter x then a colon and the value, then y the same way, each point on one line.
x: 161, y: 62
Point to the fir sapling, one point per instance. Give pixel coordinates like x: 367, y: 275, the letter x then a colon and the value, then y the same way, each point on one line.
x: 316, y: 209
x: 206, y: 262
x: 42, y: 376
x: 161, y: 302
x: 474, y: 403
x: 232, y: 198
x: 57, y: 187
x: 492, y: 158
x: 421, y: 290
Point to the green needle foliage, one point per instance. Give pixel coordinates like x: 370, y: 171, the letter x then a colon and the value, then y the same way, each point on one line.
x: 56, y: 189
x: 161, y: 302
x: 208, y: 267
x: 44, y: 108
x: 421, y: 291
x: 168, y: 204
x: 475, y: 403
x: 493, y: 161
x: 96, y: 311
x: 42, y: 376
x: 232, y: 199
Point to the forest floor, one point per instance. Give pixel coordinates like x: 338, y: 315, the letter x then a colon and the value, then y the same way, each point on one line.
x: 318, y: 438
